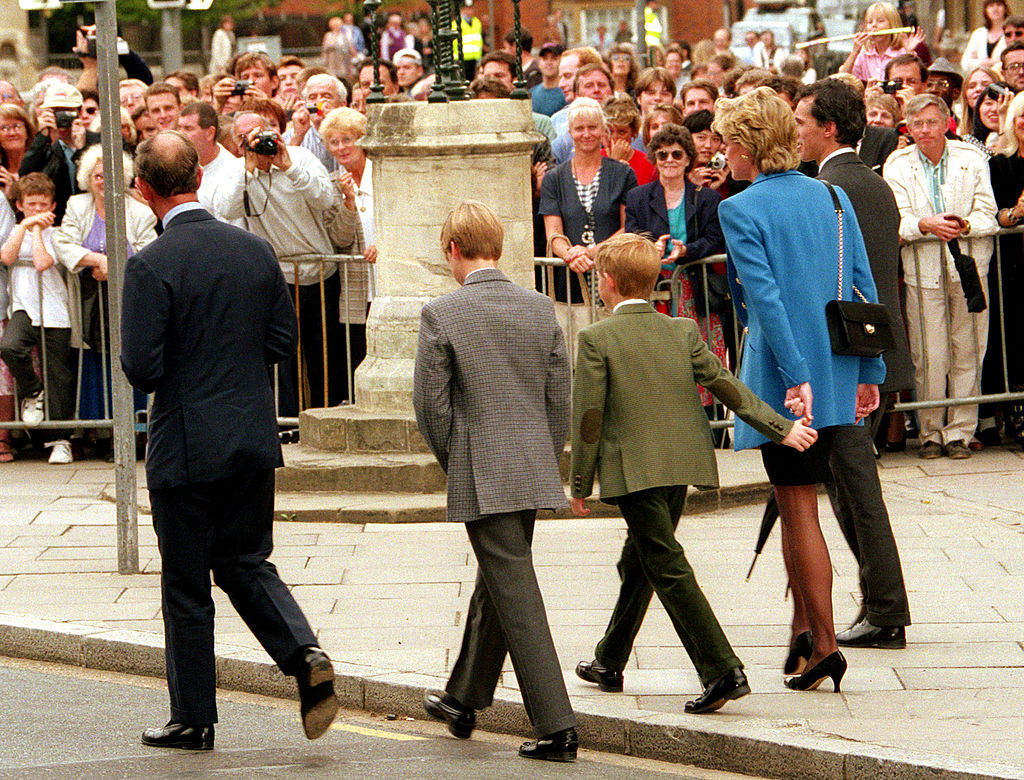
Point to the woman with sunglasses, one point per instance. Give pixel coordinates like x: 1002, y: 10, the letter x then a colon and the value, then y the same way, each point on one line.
x: 683, y: 219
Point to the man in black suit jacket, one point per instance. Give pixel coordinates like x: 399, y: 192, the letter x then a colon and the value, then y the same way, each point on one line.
x: 205, y: 312
x: 830, y: 121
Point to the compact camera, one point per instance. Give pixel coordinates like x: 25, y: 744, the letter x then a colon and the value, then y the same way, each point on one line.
x: 891, y: 87
x: 266, y: 143
x: 64, y: 119
x: 241, y: 85
x: 316, y: 108
x: 717, y: 162
x: 995, y: 91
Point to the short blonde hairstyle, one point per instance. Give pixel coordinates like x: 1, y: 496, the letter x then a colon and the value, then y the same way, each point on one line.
x: 585, y: 108
x: 886, y: 103
x: 343, y: 120
x: 1009, y: 144
x: 475, y: 230
x: 850, y: 80
x: 763, y: 124
x: 87, y: 163
x: 632, y: 261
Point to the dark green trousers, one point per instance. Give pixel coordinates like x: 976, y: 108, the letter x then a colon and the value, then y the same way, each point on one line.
x: 653, y: 561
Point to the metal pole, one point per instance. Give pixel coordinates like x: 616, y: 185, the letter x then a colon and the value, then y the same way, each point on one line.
x: 641, y: 32
x: 170, y: 39
x: 117, y: 256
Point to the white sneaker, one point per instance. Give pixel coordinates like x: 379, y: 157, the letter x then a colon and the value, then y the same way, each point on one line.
x: 33, y: 410
x: 61, y: 454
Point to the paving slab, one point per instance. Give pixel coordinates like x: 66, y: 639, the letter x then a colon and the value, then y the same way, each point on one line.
x: 388, y: 601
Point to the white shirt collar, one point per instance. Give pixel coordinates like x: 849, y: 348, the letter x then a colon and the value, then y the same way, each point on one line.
x: 627, y: 302
x: 180, y: 209
x: 836, y: 153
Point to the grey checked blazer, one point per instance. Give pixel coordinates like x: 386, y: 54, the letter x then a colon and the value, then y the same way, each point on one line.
x: 492, y: 394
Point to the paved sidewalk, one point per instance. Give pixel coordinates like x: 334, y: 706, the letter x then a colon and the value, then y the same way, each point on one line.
x: 388, y: 603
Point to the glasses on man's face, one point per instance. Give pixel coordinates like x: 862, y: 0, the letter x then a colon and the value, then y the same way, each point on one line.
x: 922, y: 124
x: 1013, y: 67
x: 663, y: 154
x: 938, y: 84
x: 7, y: 97
x: 17, y: 127
x: 621, y: 57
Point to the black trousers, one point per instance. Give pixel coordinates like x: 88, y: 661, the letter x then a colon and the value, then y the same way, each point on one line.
x: 16, y: 346
x: 224, y: 527
x: 506, y: 616
x: 856, y: 496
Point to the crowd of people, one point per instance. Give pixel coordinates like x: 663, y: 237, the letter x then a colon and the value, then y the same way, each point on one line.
x: 626, y: 148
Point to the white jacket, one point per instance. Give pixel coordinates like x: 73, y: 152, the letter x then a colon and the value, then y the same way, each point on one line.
x: 976, y: 50
x: 966, y: 193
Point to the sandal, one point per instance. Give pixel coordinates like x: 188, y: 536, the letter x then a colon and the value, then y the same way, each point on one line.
x: 6, y: 451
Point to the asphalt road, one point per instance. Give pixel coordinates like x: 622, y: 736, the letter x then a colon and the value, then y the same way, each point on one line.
x: 79, y: 724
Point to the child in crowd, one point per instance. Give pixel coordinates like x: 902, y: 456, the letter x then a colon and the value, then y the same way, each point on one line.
x: 39, y: 305
x: 638, y: 422
x: 870, y: 52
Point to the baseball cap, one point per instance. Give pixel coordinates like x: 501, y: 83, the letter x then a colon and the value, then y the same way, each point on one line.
x: 61, y: 95
x: 551, y: 48
x: 407, y: 53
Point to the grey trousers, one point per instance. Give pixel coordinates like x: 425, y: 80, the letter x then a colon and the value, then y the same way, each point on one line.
x: 506, y: 615
x: 856, y: 496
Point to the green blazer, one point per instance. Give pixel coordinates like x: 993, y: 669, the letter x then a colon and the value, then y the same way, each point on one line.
x: 637, y: 418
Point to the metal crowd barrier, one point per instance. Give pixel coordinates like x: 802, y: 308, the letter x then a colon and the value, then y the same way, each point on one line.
x: 574, y: 314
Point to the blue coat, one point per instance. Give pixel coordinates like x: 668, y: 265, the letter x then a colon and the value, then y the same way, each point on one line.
x: 781, y: 237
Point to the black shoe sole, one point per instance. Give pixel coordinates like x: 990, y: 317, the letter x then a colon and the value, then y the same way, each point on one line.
x: 566, y: 757
x: 437, y: 713
x: 177, y: 745
x: 601, y: 684
x: 320, y: 681
x: 881, y: 644
x: 737, y: 693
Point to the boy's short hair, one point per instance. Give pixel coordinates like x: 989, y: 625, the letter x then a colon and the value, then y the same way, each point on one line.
x: 632, y: 261
x: 34, y: 184
x: 476, y: 231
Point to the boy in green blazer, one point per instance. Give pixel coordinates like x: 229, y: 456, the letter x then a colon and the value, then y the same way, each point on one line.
x: 639, y: 424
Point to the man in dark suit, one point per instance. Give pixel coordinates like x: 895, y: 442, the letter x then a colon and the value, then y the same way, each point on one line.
x: 876, y: 144
x: 491, y: 394
x: 205, y: 312
x: 830, y: 121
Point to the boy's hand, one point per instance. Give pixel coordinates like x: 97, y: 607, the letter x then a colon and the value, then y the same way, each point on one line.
x: 579, y: 505
x: 800, y: 437
x: 41, y: 221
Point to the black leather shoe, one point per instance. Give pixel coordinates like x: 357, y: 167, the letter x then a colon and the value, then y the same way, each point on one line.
x: 866, y: 635
x: 178, y: 735
x: 560, y: 746
x: 833, y: 666
x: 318, y: 704
x: 442, y: 706
x: 731, y: 685
x: 799, y: 653
x: 606, y: 679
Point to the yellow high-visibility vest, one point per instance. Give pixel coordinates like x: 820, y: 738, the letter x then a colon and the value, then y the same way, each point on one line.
x: 472, y: 39
x: 652, y: 28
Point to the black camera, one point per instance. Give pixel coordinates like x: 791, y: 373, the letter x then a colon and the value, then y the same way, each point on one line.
x: 64, y: 119
x: 265, y: 143
x: 241, y: 86
x: 891, y: 87
x: 995, y: 91
x: 717, y: 162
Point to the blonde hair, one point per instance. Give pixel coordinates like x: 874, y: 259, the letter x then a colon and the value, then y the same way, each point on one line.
x: 342, y: 120
x: 475, y: 230
x: 87, y: 163
x: 763, y: 124
x: 850, y: 80
x: 632, y: 261
x: 892, y: 16
x: 1009, y: 144
x: 585, y: 108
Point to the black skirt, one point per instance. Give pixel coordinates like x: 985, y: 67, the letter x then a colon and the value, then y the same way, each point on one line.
x: 786, y: 466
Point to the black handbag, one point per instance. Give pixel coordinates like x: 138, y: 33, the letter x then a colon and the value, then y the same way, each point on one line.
x: 857, y: 328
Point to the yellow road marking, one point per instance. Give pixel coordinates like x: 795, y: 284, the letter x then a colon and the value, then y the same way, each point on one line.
x: 376, y: 733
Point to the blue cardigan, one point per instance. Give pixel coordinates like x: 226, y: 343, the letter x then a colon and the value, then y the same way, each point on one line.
x: 781, y: 238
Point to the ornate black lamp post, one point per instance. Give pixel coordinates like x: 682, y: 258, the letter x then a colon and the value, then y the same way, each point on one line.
x: 519, y: 93
x: 377, y: 90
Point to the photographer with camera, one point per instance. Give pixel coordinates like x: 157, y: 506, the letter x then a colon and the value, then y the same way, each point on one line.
x: 283, y: 194
x: 85, y: 48
x: 61, y: 136
x: 255, y: 76
x: 321, y: 94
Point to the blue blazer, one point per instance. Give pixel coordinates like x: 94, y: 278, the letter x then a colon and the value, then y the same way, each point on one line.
x: 205, y: 311
x: 647, y: 212
x: 781, y: 237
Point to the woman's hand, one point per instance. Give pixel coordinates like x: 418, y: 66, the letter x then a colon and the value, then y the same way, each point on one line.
x: 800, y: 436
x: 98, y: 263
x: 621, y: 150
x: 867, y: 400
x: 799, y: 400
x: 578, y: 259
x: 370, y: 253
x: 347, y: 185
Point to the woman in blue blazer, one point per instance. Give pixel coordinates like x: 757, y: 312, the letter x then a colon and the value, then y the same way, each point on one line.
x: 782, y: 241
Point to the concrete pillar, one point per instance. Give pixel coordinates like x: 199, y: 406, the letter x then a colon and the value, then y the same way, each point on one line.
x: 16, y: 64
x: 427, y: 158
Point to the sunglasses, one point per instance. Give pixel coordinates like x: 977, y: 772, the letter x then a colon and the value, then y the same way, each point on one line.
x: 663, y: 154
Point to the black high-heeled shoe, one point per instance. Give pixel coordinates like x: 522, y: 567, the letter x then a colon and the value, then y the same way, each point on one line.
x: 799, y: 653
x: 833, y: 666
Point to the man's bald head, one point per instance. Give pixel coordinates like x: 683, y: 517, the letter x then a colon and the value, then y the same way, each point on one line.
x: 169, y: 163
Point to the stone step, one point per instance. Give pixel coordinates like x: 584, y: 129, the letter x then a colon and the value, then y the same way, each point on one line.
x: 310, y: 469
x: 350, y: 429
